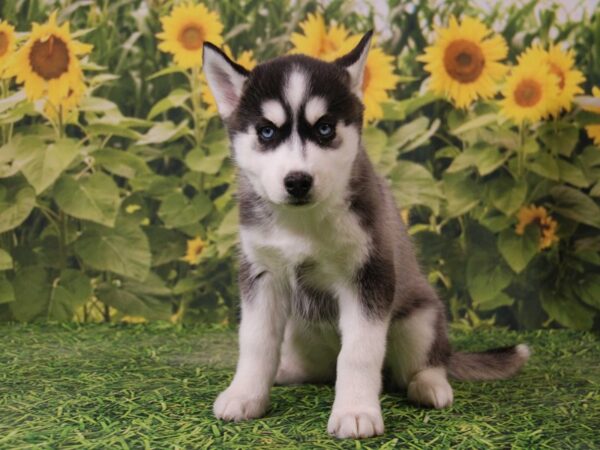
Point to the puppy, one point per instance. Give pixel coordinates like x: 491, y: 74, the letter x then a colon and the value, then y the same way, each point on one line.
x: 330, y: 285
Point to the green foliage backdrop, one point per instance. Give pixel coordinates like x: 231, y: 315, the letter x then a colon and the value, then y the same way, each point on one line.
x: 95, y: 217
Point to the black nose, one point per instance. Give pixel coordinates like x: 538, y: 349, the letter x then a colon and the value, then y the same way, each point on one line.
x: 297, y: 184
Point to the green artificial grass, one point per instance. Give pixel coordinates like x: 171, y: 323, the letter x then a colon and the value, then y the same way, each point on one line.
x: 136, y: 386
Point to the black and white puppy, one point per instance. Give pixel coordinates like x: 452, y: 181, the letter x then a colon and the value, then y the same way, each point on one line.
x: 331, y: 288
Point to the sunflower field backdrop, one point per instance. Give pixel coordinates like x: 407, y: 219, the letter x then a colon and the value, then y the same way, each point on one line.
x: 117, y: 192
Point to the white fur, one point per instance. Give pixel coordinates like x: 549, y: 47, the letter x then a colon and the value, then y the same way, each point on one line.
x: 295, y: 89
x: 356, y: 410
x: 274, y: 112
x: 430, y: 387
x: 410, y: 340
x: 523, y: 351
x: 224, y: 81
x: 261, y: 333
x: 316, y: 107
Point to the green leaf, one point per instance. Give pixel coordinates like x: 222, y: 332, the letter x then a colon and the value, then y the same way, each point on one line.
x: 7, y: 293
x: 486, y: 276
x: 32, y: 290
x: 496, y: 302
x: 162, y: 132
x: 71, y: 290
x: 564, y: 307
x: 588, y: 290
x: 461, y: 193
x: 6, y: 262
x: 414, y: 185
x: 560, y: 137
x: 17, y: 153
x: 506, y: 194
x: 198, y: 161
x: 408, y: 132
x: 177, y: 210
x: 486, y: 159
x: 398, y: 110
x: 166, y: 245
x: 131, y: 304
x: 375, y: 141
x: 478, y: 122
x: 572, y: 174
x: 94, y: 197
x: 518, y: 250
x: 123, y: 249
x: 169, y: 70
x: 111, y: 129
x: 16, y: 202
x: 96, y: 104
x: 175, y: 99
x: 595, y: 192
x: 576, y: 205
x: 45, y: 164
x: 122, y: 163
x: 12, y: 100
x: 545, y: 165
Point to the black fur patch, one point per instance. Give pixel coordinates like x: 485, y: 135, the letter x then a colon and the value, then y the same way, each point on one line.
x: 376, y: 285
x: 268, y: 81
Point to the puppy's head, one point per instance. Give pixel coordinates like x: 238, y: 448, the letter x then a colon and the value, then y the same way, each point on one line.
x: 294, y: 121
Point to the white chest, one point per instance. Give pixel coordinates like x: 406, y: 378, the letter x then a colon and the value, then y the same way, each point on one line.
x: 335, y: 244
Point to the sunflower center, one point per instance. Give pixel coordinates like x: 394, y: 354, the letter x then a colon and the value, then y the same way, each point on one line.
x: 366, y: 79
x: 49, y: 58
x: 192, y: 37
x: 528, y: 93
x: 3, y: 43
x: 464, y: 61
x: 559, y: 73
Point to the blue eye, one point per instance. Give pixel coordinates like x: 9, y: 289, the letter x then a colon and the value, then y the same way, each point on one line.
x: 266, y: 133
x: 325, y: 130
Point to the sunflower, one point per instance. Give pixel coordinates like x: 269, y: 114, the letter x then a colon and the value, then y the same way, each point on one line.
x: 539, y: 216
x: 66, y: 110
x: 7, y: 44
x: 378, y: 78
x: 559, y: 63
x: 194, y: 250
x: 530, y: 93
x: 186, y: 30
x: 593, y: 131
x: 320, y: 42
x: 464, y: 62
x: 246, y: 60
x: 47, y: 63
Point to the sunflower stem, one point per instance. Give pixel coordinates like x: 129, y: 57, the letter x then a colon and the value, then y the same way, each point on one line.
x: 521, y: 152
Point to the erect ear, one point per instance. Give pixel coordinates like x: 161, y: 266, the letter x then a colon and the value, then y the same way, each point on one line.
x: 354, y: 62
x: 225, y: 78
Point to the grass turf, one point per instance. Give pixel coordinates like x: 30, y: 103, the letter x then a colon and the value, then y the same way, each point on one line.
x: 109, y: 386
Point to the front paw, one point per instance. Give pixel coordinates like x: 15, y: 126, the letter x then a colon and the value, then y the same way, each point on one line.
x: 355, y: 422
x: 236, y: 404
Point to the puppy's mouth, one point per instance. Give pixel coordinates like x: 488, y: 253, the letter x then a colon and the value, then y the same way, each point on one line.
x: 297, y: 202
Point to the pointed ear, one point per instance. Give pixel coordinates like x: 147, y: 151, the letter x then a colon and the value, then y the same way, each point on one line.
x: 225, y: 78
x: 354, y: 62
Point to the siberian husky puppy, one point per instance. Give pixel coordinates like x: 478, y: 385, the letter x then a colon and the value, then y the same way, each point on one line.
x: 330, y: 285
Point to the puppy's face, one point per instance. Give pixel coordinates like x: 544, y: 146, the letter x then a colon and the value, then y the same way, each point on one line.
x: 294, y: 122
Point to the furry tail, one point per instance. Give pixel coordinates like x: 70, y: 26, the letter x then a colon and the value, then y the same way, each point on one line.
x: 494, y: 364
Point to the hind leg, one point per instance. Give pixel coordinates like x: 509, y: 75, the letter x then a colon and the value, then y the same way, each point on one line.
x: 308, y: 353
x: 417, y: 354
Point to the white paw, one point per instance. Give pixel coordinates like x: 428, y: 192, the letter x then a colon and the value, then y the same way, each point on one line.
x: 235, y: 405
x: 355, y: 423
x: 431, y: 388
